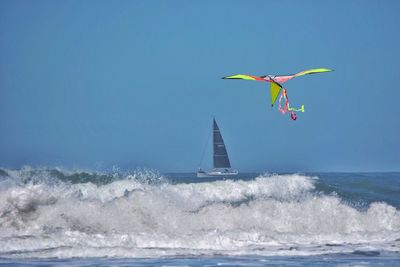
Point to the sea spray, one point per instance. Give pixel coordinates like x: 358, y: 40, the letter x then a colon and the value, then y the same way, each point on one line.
x: 141, y: 214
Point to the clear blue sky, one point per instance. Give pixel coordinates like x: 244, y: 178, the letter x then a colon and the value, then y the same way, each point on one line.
x: 92, y: 84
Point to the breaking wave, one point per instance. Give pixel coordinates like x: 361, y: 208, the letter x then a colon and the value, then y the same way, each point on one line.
x: 55, y: 213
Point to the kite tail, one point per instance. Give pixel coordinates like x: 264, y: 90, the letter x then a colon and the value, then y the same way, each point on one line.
x: 293, y: 115
x: 297, y: 109
x: 286, y: 106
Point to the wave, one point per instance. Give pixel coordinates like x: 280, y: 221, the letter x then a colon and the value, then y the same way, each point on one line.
x: 141, y: 214
x: 28, y: 174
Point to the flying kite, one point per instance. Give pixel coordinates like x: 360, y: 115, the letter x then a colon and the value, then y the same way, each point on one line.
x: 276, y: 87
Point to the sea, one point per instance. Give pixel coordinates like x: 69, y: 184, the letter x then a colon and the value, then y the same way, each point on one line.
x: 61, y: 217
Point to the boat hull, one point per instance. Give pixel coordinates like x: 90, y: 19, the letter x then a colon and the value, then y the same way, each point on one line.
x: 204, y: 174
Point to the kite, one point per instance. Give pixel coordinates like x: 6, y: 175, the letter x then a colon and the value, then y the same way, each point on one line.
x: 276, y: 87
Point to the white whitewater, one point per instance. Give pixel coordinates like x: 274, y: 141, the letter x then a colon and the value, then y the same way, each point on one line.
x: 270, y: 215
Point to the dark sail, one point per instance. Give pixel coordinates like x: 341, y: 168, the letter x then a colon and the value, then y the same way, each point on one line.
x: 221, y: 159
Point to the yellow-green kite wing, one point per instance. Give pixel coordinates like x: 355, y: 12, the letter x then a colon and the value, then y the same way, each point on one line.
x: 245, y: 77
x: 275, y: 89
x: 312, y: 71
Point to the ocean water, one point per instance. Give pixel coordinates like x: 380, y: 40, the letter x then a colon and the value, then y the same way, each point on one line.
x: 56, y: 217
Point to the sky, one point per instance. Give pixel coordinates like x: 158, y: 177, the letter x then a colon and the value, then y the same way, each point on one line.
x: 127, y: 84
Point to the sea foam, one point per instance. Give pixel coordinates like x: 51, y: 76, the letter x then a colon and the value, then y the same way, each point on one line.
x: 134, y: 217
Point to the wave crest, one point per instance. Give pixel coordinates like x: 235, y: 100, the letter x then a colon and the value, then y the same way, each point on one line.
x: 138, y: 217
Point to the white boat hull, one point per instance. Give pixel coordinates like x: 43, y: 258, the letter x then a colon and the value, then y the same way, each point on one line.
x: 216, y: 173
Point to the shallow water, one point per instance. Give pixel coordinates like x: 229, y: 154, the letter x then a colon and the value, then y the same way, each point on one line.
x: 335, y: 260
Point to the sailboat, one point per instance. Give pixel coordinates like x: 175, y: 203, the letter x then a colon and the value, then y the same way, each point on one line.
x: 221, y: 164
